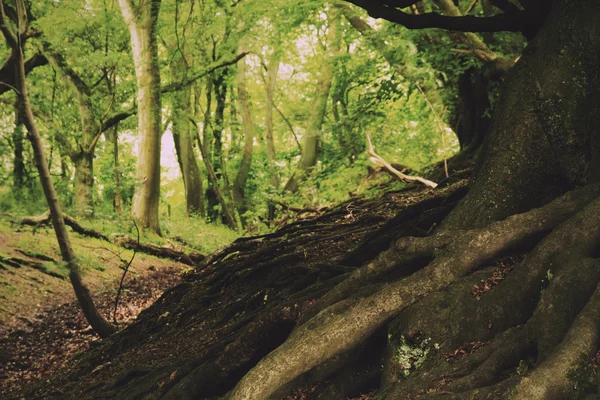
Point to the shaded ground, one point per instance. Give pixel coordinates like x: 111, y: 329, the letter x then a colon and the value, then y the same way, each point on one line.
x: 41, y: 326
x: 53, y: 337
x: 244, y: 302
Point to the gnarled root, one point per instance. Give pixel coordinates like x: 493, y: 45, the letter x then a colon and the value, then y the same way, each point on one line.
x: 341, y: 326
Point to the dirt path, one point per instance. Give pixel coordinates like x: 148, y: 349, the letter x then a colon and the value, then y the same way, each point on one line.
x: 41, y: 326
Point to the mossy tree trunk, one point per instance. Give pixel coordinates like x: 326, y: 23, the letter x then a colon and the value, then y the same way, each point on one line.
x: 543, y: 138
x: 141, y: 18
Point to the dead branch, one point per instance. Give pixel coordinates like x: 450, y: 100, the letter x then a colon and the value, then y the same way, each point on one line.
x: 155, y: 250
x: 380, y: 162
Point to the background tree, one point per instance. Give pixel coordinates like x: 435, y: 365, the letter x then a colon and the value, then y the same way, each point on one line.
x: 141, y: 21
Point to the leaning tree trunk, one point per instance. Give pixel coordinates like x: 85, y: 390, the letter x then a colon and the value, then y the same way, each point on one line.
x: 141, y: 22
x: 310, y: 146
x: 543, y: 138
x: 96, y: 320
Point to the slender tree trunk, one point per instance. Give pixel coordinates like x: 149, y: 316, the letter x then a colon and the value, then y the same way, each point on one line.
x: 212, y: 177
x: 84, y: 183
x: 310, y: 145
x: 273, y: 69
x: 182, y: 136
x: 141, y: 21
x: 96, y: 320
x: 115, y: 147
x: 239, y: 184
x: 19, y: 164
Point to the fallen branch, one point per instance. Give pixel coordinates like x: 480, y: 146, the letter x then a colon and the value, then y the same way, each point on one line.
x: 380, y: 162
x: 159, y: 251
x: 118, y: 239
x: 44, y: 219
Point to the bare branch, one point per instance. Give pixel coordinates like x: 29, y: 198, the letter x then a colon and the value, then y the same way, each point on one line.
x: 379, y: 161
x: 172, y: 87
x: 516, y: 22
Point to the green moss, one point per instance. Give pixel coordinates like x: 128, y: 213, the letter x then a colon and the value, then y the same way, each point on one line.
x: 584, y: 379
x: 410, y: 356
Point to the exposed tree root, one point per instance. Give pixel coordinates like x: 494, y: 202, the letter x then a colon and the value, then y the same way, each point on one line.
x: 346, y: 323
x: 548, y: 338
x: 432, y: 310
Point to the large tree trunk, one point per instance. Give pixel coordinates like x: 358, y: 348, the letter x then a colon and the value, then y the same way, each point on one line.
x: 316, y: 116
x: 543, y: 137
x: 183, y: 136
x: 141, y: 21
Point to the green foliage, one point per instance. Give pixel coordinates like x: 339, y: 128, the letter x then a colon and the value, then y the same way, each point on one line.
x: 374, y: 92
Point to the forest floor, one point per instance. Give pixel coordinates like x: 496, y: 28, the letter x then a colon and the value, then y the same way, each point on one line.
x: 268, y: 280
x: 41, y: 325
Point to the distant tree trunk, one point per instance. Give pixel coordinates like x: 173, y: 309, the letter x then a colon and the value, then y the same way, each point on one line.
x: 141, y: 21
x: 84, y: 183
x: 216, y: 190
x: 96, y: 320
x: 310, y: 146
x: 239, y: 184
x: 83, y: 155
x: 115, y: 144
x: 273, y: 69
x: 19, y: 164
x: 220, y: 90
x: 184, y: 148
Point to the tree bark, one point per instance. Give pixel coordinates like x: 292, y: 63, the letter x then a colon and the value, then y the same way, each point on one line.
x: 116, y: 164
x: 141, y: 21
x: 543, y: 137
